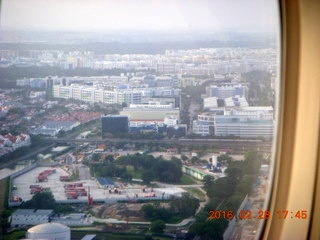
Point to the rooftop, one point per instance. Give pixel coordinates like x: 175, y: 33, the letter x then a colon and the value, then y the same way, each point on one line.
x: 49, y: 228
x: 105, y: 181
x: 43, y: 212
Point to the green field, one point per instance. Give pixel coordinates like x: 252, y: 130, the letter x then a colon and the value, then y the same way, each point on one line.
x: 187, y: 180
x: 196, y: 192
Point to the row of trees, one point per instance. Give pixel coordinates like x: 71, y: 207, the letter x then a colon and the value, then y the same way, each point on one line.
x: 227, y: 194
x: 153, y: 169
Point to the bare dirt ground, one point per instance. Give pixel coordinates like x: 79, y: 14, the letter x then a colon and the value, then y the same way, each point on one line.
x: 120, y: 211
x: 130, y: 211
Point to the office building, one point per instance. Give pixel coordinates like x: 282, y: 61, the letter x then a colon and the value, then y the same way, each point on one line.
x: 150, y: 112
x: 114, y: 124
x: 252, y: 112
x: 242, y: 126
x: 226, y: 90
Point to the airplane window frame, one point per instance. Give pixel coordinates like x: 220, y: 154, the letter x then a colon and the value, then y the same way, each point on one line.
x: 296, y: 183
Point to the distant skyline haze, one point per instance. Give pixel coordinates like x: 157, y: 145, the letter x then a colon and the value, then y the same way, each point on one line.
x: 140, y: 15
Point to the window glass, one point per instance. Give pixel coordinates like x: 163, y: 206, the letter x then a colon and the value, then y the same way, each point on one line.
x: 149, y: 119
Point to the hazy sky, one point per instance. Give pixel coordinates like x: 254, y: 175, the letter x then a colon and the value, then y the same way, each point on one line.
x: 164, y: 15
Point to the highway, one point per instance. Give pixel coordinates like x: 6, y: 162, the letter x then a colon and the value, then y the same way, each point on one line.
x: 234, y: 144
x: 25, y: 157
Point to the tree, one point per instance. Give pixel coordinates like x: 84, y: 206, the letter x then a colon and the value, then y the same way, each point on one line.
x: 126, y: 176
x: 194, y: 160
x: 95, y: 157
x: 168, y: 171
x: 212, y: 204
x: 61, y: 134
x: 212, y: 229
x: 154, y: 212
x: 158, y: 226
x: 252, y: 162
x: 42, y: 200
x: 224, y: 158
x: 109, y: 158
x: 148, y: 211
x: 222, y: 188
x: 184, y: 158
x: 185, y: 206
x: 208, y: 181
x: 234, y: 173
x: 148, y: 238
x: 147, y: 176
x: 245, y: 186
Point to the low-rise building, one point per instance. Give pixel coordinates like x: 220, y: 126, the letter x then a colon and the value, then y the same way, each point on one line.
x: 106, y: 183
x: 52, y: 128
x: 31, y: 216
x: 15, y: 142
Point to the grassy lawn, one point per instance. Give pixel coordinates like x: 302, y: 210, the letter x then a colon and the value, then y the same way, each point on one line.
x: 15, y: 235
x: 196, y: 192
x: 187, y: 180
x: 135, y: 173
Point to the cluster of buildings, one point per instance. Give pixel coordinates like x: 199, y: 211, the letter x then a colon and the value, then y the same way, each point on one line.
x: 151, y: 102
x: 117, y: 90
x: 202, y: 61
x: 126, y: 122
x: 9, y: 142
x: 64, y: 122
x: 229, y: 114
x: 3, y: 111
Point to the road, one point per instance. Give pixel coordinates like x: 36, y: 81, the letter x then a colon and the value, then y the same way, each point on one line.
x: 183, y: 223
x: 193, y: 108
x: 84, y: 172
x: 167, y: 185
x: 25, y: 157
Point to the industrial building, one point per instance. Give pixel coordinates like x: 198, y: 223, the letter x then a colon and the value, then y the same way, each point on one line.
x: 31, y: 216
x: 52, y: 128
